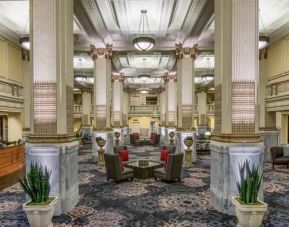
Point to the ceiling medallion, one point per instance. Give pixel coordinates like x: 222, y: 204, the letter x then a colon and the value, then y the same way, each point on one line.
x: 143, y: 42
x: 209, y: 74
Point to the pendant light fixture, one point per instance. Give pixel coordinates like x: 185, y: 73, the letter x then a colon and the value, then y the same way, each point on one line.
x: 209, y: 74
x: 143, y: 42
x: 263, y: 39
x: 144, y: 76
x: 78, y: 76
x: 24, y: 39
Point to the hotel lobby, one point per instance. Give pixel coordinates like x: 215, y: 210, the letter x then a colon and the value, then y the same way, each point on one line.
x: 144, y: 113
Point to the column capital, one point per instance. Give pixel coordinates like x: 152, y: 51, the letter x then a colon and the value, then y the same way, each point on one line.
x: 186, y: 52
x: 201, y: 89
x: 117, y: 77
x: 170, y: 77
x: 101, y: 52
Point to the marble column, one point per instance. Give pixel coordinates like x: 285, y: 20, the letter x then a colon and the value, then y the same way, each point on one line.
x: 102, y: 98
x: 125, y: 116
x: 202, y: 108
x: 171, y: 105
x: 51, y: 141
x: 86, y: 110
x: 162, y: 117
x: 117, y: 107
x: 235, y: 137
x: 186, y: 99
x: 267, y: 120
x: 27, y: 90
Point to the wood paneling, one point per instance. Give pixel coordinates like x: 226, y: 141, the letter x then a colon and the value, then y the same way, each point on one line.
x: 11, y: 159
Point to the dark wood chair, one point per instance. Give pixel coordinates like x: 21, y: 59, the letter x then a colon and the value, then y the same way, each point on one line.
x: 278, y: 157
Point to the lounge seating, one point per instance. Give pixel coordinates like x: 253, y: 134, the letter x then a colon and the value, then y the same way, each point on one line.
x: 114, y: 169
x: 116, y: 149
x: 278, y: 158
x: 172, y: 170
x: 171, y: 148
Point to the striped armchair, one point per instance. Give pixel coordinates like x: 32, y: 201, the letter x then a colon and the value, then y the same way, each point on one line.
x: 114, y: 169
x: 173, y: 169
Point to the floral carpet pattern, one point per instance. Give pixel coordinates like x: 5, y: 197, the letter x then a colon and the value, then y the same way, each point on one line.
x: 148, y: 202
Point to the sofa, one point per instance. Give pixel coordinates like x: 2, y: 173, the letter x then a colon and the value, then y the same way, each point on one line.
x: 279, y: 157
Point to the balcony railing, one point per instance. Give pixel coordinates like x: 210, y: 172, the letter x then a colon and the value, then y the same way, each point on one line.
x: 77, y: 109
x: 210, y: 109
x: 144, y: 109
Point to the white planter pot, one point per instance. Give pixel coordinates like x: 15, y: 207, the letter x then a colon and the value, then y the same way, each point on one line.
x: 40, y: 216
x: 249, y: 215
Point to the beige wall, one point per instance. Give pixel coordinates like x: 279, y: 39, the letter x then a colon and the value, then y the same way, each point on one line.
x: 144, y: 122
x: 77, y: 124
x: 10, y: 62
x: 15, y: 126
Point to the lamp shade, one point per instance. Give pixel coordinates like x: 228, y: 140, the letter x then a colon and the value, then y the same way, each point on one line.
x: 143, y: 43
x: 263, y: 41
x: 24, y: 42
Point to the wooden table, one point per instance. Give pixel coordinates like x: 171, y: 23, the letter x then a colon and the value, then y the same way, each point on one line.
x: 144, y: 171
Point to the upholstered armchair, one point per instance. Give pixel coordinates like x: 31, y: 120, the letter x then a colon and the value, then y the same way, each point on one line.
x: 114, y: 168
x: 278, y: 158
x: 173, y: 168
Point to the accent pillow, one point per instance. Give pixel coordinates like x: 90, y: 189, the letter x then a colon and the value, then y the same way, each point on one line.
x: 123, y: 154
x: 164, y: 155
x: 285, y: 151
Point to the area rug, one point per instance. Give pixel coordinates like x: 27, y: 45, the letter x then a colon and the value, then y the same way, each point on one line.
x: 148, y: 202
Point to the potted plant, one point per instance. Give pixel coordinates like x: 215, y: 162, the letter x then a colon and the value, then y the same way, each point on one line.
x: 36, y: 184
x: 249, y: 209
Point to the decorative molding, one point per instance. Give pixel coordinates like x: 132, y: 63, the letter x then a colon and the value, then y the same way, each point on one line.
x: 234, y: 138
x: 186, y: 52
x: 101, y: 52
x: 170, y: 77
x: 54, y: 139
x: 117, y: 77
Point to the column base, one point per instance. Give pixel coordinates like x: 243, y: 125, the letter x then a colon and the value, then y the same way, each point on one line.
x: 62, y: 159
x: 108, y: 147
x: 86, y: 130
x: 162, y: 135
x: 25, y: 134
x: 270, y: 138
x: 225, y: 159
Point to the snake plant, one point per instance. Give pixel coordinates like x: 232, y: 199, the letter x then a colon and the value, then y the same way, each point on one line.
x: 249, y: 184
x: 36, y: 183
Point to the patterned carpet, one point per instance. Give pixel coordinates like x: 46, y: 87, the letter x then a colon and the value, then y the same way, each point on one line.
x: 148, y: 202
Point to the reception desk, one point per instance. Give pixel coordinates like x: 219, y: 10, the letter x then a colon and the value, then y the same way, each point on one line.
x: 12, y: 159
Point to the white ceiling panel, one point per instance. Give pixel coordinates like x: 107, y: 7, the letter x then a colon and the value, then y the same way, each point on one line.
x: 273, y: 15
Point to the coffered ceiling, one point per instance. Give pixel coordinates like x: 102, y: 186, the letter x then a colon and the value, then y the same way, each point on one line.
x: 116, y: 22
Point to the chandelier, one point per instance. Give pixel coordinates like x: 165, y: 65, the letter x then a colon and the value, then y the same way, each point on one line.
x: 144, y: 75
x: 143, y: 42
x: 263, y: 39
x: 24, y: 42
x: 209, y: 74
x: 78, y: 76
x: 24, y: 39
